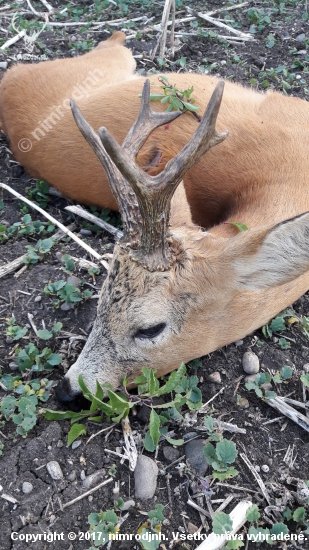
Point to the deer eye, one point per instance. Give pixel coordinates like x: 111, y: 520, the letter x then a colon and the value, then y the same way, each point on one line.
x: 150, y: 332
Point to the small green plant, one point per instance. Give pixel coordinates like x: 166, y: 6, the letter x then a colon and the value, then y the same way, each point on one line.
x: 263, y: 378
x: 150, y: 530
x: 221, y: 456
x: 23, y: 410
x: 31, y: 359
x: 39, y: 194
x: 35, y: 254
x: 66, y: 293
x: 175, y: 99
x: 102, y: 527
x: 118, y: 404
x: 283, y: 321
x: 14, y: 331
x: 26, y: 227
x: 69, y: 264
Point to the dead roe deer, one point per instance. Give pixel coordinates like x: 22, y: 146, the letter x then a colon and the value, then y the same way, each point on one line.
x: 174, y: 291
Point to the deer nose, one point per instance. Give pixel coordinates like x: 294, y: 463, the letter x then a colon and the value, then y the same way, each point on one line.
x: 64, y: 393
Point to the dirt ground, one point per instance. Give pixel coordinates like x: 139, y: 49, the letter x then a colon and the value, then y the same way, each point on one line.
x: 279, y: 59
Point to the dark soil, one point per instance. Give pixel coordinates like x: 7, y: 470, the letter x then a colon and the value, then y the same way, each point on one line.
x: 264, y: 444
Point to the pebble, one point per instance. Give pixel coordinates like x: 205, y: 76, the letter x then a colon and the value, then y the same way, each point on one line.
x: 192, y: 528
x: 214, y: 377
x: 265, y: 468
x: 13, y: 365
x: 128, y: 504
x: 65, y: 307
x: 170, y: 454
x: 194, y: 451
x: 72, y: 476
x: 306, y: 367
x: 243, y: 403
x: 73, y: 280
x: 257, y: 468
x: 239, y: 343
x: 93, y: 479
x: 145, y: 476
x: 38, y: 298
x: 85, y: 232
x: 76, y: 444
x: 54, y: 470
x: 250, y: 363
x: 3, y: 65
x: 27, y: 487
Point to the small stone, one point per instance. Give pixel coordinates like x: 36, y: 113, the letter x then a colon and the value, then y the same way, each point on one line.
x: 90, y: 498
x: 194, y: 451
x: 306, y: 367
x: 300, y: 37
x: 145, y: 476
x: 60, y: 444
x: 93, y: 479
x: 257, y: 468
x: 128, y: 504
x: 73, y: 280
x: 76, y: 444
x: 214, y: 377
x: 239, y: 343
x: 27, y: 487
x: 192, y: 528
x: 243, y: 403
x: 265, y: 468
x: 199, y: 54
x: 3, y: 64
x: 65, y: 307
x: 250, y: 363
x: 83, y: 475
x: 38, y: 298
x: 170, y: 454
x: 54, y: 470
x: 59, y: 256
x: 223, y: 62
x: 85, y: 232
x: 72, y: 476
x: 13, y: 365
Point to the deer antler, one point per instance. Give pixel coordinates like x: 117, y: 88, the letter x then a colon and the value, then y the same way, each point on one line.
x: 146, y: 212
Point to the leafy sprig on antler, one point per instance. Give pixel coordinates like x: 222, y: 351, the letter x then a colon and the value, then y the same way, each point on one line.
x: 177, y: 100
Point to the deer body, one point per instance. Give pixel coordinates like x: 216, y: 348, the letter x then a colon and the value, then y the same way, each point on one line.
x: 220, y: 285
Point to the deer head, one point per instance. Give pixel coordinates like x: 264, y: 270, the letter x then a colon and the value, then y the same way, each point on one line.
x: 174, y: 292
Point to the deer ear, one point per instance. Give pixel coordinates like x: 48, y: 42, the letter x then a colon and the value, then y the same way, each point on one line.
x: 273, y: 256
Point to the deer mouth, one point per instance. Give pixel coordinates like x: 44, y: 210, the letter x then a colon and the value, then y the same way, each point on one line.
x: 72, y: 400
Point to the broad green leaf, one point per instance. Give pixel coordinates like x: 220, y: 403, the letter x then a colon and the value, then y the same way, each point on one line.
x: 58, y: 415
x: 148, y: 443
x: 54, y: 359
x: 173, y: 381
x: 75, y: 431
x: 270, y: 395
x: 226, y: 451
x: 286, y: 372
x: 190, y: 106
x: 222, y: 523
x: 253, y: 513
x: 44, y: 334
x: 209, y: 423
x: 279, y: 529
x: 154, y: 425
x: 287, y: 514
x: 277, y: 324
x: 175, y: 441
x: 209, y: 451
x: 299, y: 515
x: 157, y: 513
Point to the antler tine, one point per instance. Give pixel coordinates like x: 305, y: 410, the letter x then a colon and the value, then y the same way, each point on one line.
x: 123, y: 194
x: 147, y: 121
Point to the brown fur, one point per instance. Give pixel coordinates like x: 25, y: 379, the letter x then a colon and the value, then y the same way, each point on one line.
x: 224, y: 284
